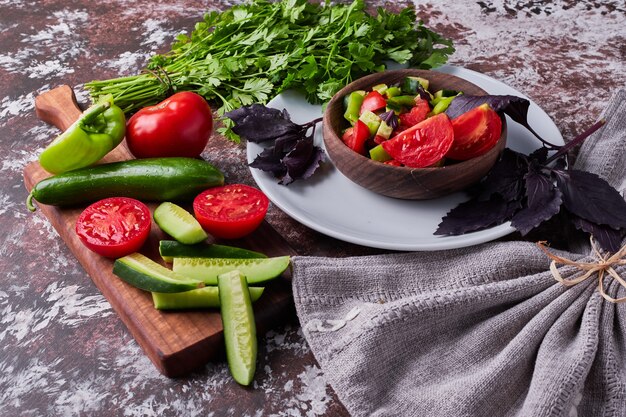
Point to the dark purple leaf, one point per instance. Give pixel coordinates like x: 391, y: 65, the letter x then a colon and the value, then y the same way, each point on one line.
x: 258, y: 123
x: 609, y: 239
x: 592, y: 198
x: 421, y: 91
x: 390, y: 119
x: 539, y: 155
x: 269, y: 161
x: 284, y: 144
x: 506, y: 177
x: 476, y: 215
x: 515, y: 107
x: 543, y: 201
x: 302, y: 161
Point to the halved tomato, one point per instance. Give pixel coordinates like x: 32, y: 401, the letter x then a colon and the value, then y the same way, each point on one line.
x: 418, y: 113
x: 373, y: 101
x: 475, y: 132
x: 423, y: 144
x: 114, y: 227
x: 230, y: 211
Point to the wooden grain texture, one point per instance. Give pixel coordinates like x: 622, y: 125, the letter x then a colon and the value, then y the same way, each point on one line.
x: 176, y: 342
x: 404, y: 182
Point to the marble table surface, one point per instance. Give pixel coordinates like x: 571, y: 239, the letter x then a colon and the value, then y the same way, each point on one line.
x: 63, y: 350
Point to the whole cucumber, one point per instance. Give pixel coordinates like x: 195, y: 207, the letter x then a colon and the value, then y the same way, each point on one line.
x: 150, y: 179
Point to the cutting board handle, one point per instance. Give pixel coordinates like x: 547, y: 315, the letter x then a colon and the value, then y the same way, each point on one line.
x: 58, y: 107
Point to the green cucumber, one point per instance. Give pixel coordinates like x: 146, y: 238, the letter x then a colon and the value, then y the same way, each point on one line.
x: 179, y: 223
x: 170, y: 249
x: 239, y: 326
x: 142, y: 272
x: 371, y: 120
x: 207, y: 297
x: 378, y: 153
x: 153, y: 179
x: 208, y: 269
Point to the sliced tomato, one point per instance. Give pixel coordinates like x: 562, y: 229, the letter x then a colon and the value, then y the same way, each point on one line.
x: 475, y: 132
x: 230, y: 211
x: 423, y: 144
x: 373, y: 101
x: 356, y: 137
x: 114, y: 227
x: 417, y: 114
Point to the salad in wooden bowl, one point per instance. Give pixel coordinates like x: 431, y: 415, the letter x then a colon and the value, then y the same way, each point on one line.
x: 389, y: 132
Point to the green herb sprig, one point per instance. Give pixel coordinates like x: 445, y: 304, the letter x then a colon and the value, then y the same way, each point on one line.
x: 251, y: 52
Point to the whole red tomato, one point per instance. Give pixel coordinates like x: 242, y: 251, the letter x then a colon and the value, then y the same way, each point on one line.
x: 178, y: 126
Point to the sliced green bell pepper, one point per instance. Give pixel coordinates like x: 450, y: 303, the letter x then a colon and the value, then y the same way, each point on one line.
x: 97, y: 132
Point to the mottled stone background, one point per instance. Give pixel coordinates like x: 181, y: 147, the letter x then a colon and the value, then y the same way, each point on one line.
x: 63, y: 351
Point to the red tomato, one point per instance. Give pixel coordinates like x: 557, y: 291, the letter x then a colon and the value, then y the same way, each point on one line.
x: 356, y: 137
x: 178, y: 126
x: 417, y: 113
x: 114, y: 227
x: 475, y: 132
x: 230, y: 211
x: 373, y: 101
x: 423, y: 144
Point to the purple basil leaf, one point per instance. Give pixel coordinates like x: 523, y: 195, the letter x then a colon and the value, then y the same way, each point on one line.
x: 515, y: 107
x: 269, y: 161
x: 390, y: 119
x: 302, y: 161
x: 258, y: 123
x: 590, y: 197
x: 543, y: 201
x: 424, y: 95
x: 539, y: 155
x: 285, y: 143
x: 506, y: 178
x: 476, y: 215
x: 609, y: 239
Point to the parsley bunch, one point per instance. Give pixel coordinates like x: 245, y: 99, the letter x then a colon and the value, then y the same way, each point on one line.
x: 251, y: 52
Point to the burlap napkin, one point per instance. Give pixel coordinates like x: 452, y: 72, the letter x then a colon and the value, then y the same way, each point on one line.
x: 480, y: 331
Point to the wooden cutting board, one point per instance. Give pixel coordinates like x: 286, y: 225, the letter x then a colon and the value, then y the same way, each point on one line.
x: 176, y: 342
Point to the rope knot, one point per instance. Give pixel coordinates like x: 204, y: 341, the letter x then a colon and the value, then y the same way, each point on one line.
x: 605, y: 264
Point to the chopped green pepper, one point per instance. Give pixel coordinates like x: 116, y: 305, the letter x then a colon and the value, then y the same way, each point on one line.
x: 353, y: 106
x: 97, y: 132
x: 398, y: 102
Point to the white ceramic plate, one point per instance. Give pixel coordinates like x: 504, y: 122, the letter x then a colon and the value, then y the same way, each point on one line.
x: 331, y: 204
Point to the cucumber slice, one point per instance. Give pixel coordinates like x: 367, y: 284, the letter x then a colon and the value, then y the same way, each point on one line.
x: 208, y: 269
x: 179, y: 223
x: 142, y: 272
x: 170, y: 249
x: 207, y: 297
x: 239, y: 326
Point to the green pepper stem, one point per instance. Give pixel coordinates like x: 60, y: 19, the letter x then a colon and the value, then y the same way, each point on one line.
x: 29, y: 202
x: 94, y: 111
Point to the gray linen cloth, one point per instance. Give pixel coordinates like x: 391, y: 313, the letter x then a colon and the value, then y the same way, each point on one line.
x: 479, y: 331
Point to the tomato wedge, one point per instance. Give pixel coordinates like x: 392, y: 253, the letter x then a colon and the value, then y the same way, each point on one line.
x: 356, y: 137
x: 475, y: 132
x: 423, y: 144
x: 114, y: 227
x: 230, y: 211
x: 373, y: 101
x: 417, y: 114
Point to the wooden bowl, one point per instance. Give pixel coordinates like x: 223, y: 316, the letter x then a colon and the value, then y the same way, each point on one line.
x: 403, y: 182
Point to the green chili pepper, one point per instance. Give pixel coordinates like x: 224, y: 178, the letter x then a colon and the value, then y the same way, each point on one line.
x: 97, y: 132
